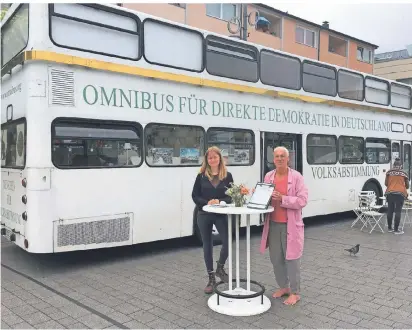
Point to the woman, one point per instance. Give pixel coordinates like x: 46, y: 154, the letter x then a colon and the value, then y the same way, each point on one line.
x: 397, y: 183
x: 283, y: 230
x: 209, y: 188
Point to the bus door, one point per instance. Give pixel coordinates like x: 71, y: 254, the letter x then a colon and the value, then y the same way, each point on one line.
x: 293, y: 142
x: 406, y: 157
x: 395, y: 151
x: 13, y: 191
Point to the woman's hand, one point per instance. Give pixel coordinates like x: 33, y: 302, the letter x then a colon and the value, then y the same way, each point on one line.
x: 213, y: 201
x: 276, y: 195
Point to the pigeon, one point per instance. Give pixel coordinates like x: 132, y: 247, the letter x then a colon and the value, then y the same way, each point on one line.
x: 354, y: 249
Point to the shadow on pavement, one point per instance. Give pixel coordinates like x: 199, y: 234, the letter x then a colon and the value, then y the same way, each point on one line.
x: 43, y: 265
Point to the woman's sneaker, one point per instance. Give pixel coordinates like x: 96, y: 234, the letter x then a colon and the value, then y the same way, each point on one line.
x: 398, y: 232
x: 390, y: 230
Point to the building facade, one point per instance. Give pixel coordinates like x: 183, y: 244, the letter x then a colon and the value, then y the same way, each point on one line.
x: 395, y: 65
x: 275, y: 29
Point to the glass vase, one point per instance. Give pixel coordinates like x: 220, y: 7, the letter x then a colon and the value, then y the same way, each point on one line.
x: 239, y: 202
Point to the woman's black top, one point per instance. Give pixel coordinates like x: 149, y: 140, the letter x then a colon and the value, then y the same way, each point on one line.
x: 204, y: 190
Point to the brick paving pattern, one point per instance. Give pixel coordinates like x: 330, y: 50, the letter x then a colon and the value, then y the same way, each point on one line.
x: 164, y: 289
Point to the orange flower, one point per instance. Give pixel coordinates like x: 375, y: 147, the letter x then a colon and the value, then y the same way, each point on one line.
x: 244, y: 191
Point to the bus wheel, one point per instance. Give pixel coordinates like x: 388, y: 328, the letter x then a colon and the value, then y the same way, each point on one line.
x: 375, y: 187
x: 198, y: 236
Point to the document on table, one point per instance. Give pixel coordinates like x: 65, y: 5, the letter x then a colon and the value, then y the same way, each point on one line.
x: 261, y: 196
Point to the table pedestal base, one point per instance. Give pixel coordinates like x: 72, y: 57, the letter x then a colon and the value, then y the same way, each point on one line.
x: 239, y: 307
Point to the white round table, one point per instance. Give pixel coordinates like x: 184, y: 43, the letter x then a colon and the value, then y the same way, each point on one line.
x: 236, y: 302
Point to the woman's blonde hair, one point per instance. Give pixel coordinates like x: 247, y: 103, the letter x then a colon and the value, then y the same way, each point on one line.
x: 207, y: 170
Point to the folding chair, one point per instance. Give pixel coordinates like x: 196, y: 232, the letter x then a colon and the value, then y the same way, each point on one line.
x: 363, y: 202
x: 372, y: 217
x: 407, y: 206
x: 365, y: 198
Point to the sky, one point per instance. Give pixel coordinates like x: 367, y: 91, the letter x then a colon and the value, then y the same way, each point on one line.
x: 388, y: 25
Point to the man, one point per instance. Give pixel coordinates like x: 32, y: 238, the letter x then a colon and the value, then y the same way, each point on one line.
x: 283, y: 231
x: 397, y: 183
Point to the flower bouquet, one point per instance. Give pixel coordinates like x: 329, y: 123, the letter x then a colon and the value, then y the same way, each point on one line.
x: 238, y: 194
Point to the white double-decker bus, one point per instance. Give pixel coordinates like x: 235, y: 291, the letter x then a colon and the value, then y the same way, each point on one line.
x: 106, y: 115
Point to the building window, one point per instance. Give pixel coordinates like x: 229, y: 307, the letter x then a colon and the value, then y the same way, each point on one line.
x: 378, y: 151
x: 224, y: 11
x: 237, y: 145
x: 364, y: 55
x: 321, y: 149
x: 174, y: 145
x: 96, y: 144
x: 269, y: 24
x: 351, y: 150
x: 337, y: 46
x: 305, y: 36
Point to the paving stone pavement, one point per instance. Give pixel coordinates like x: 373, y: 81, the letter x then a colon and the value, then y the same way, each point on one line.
x: 163, y: 288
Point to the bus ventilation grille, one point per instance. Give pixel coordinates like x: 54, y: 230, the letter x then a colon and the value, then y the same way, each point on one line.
x: 94, y: 232
x: 62, y: 87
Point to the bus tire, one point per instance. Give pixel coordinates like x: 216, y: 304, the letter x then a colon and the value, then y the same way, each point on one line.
x: 198, y: 236
x: 374, y: 185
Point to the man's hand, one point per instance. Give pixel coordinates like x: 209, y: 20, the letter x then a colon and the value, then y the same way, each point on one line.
x: 213, y: 201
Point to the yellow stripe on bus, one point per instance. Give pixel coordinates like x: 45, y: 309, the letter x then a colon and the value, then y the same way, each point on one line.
x: 35, y: 55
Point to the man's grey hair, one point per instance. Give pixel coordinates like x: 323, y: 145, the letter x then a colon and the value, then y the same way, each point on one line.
x: 281, y: 148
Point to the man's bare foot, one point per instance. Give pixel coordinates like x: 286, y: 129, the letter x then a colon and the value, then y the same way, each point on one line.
x: 292, y: 300
x: 281, y: 292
